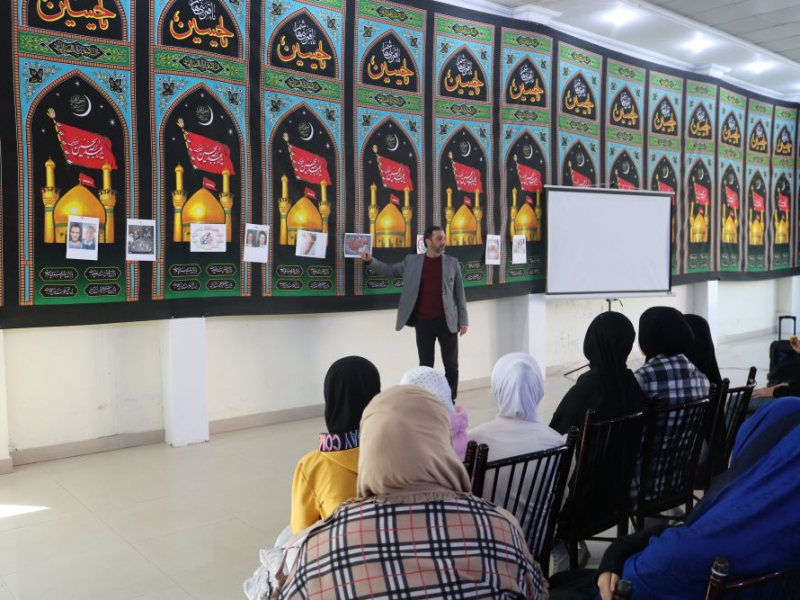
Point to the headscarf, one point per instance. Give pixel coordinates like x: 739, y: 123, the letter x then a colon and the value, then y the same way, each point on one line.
x: 517, y: 386
x: 664, y: 330
x: 406, y: 454
x: 701, y: 353
x: 608, y: 342
x: 432, y: 381
x: 350, y: 384
x: 749, y: 513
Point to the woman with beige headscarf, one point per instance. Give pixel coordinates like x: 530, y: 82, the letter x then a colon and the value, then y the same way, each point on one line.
x: 414, y: 527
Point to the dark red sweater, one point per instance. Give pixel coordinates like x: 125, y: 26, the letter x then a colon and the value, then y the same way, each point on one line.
x: 429, y: 300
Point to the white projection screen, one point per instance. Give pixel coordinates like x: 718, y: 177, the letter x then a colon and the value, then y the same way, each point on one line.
x: 606, y: 243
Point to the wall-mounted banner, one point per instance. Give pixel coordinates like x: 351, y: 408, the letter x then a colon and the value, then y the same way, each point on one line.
x: 730, y: 170
x: 700, y: 197
x: 463, y: 200
x: 757, y: 182
x: 664, y: 146
x: 626, y: 105
x: 201, y: 167
x: 77, y: 148
x: 525, y: 138
x: 303, y: 144
x: 783, y: 197
x: 389, y: 92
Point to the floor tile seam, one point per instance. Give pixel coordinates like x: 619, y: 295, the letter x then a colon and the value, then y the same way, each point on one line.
x: 8, y: 588
x: 198, y: 527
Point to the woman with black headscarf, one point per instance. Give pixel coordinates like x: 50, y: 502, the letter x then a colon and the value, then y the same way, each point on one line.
x: 609, y: 387
x: 664, y: 337
x: 701, y: 353
x: 326, y: 477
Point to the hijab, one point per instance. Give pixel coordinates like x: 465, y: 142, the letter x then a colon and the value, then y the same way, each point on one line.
x: 608, y: 342
x: 350, y: 384
x: 701, y: 353
x: 406, y: 454
x: 664, y: 330
x: 432, y: 381
x: 517, y: 386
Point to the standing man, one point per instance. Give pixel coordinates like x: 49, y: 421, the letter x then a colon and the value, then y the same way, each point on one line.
x: 432, y: 301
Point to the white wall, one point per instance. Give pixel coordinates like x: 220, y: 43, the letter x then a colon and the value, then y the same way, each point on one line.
x: 747, y: 306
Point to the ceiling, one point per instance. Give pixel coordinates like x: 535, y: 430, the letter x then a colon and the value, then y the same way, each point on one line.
x: 752, y: 43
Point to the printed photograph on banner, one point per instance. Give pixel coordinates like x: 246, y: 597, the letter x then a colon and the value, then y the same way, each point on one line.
x: 256, y: 243
x: 356, y: 243
x: 493, y: 249
x: 140, y: 240
x: 207, y: 237
x: 82, y: 238
x: 519, y: 255
x: 422, y: 248
x: 311, y: 244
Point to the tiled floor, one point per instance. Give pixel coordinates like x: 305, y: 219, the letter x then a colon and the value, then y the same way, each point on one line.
x: 159, y: 523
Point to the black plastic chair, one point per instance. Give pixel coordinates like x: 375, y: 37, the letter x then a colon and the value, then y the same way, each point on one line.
x: 600, y: 493
x: 623, y: 590
x: 531, y: 487
x: 469, y: 457
x: 779, y: 585
x: 670, y: 453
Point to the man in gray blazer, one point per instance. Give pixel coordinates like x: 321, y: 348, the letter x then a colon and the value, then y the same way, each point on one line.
x: 432, y: 301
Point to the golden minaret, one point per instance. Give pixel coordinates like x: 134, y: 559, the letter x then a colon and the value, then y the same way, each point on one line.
x: 373, y: 209
x: 178, y: 200
x: 108, y: 198
x: 283, y: 207
x: 50, y: 196
x: 226, y: 200
x: 448, y: 215
x: 513, y: 210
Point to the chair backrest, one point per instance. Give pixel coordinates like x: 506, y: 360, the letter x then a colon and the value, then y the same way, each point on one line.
x: 479, y: 472
x: 469, y: 457
x: 779, y: 585
x: 736, y: 404
x: 531, y: 487
x: 623, y: 590
x: 607, y: 456
x: 672, y: 442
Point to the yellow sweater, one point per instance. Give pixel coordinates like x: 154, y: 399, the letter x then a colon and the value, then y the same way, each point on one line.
x: 322, y: 481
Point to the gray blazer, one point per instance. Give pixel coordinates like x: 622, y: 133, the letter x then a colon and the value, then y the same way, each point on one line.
x: 453, y: 299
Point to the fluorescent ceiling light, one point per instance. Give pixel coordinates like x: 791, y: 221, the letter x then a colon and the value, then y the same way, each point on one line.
x: 621, y: 15
x: 698, y: 43
x: 759, y: 66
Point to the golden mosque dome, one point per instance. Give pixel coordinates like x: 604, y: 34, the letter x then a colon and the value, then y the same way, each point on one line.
x: 203, y: 207
x: 304, y: 215
x: 78, y: 202
x: 464, y: 221
x: 526, y: 220
x: 391, y: 221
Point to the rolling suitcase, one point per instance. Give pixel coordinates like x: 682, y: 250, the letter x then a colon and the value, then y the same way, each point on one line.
x: 781, y: 351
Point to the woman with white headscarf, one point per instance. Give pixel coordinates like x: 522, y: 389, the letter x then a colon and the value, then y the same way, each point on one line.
x: 435, y: 382
x: 518, y: 388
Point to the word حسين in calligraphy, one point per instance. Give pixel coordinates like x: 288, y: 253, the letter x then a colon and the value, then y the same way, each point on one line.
x: 473, y: 86
x: 196, y: 63
x: 403, y: 73
x: 102, y: 289
x: 522, y: 92
x: 319, y: 55
x: 64, y: 274
x: 75, y: 49
x: 97, y: 13
x: 59, y: 291
x: 191, y: 28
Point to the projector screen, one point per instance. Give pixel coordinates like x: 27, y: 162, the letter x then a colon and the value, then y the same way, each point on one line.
x: 607, y: 242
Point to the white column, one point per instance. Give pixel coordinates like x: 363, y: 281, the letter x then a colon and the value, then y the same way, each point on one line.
x: 537, y: 330
x: 184, y: 381
x: 787, y: 300
x: 705, y: 302
x: 6, y: 465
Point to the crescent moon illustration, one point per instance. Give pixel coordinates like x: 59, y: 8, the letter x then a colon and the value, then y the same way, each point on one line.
x: 580, y: 160
x: 527, y: 152
x: 88, y: 108
x: 469, y: 148
x: 310, y: 133
x: 211, y: 120
x: 626, y: 168
x: 396, y: 144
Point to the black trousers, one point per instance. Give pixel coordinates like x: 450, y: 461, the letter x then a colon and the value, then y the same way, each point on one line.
x: 430, y: 330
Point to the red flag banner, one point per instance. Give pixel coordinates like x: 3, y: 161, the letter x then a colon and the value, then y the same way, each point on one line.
x: 309, y: 193
x: 85, y: 148
x: 700, y: 194
x: 467, y: 201
x: 308, y: 166
x: 783, y: 202
x: 394, y: 200
x: 467, y: 178
x: 624, y: 184
x: 731, y: 197
x: 84, y: 179
x: 758, y: 202
x: 579, y: 180
x: 663, y: 187
x: 209, y: 184
x: 207, y: 154
x: 530, y: 179
x: 529, y: 200
x: 395, y: 176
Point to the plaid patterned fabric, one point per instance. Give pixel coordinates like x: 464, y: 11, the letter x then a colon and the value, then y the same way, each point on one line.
x: 674, y: 381
x: 447, y: 549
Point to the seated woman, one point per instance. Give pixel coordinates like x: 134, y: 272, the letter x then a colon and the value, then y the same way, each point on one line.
x: 701, y: 352
x: 414, y: 530
x: 608, y: 387
x: 434, y: 382
x: 664, y: 337
x: 749, y: 515
x: 326, y: 477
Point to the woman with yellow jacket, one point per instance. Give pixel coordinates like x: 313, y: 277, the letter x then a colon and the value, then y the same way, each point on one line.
x: 326, y: 477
